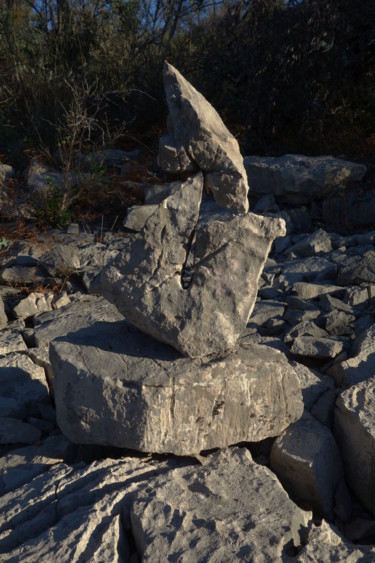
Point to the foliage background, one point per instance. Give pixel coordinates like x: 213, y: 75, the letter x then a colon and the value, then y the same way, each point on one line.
x: 287, y: 76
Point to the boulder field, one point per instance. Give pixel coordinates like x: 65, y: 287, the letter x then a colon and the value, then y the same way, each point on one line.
x: 202, y: 385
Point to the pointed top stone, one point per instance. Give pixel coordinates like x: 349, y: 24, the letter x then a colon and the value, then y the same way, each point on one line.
x: 199, y: 140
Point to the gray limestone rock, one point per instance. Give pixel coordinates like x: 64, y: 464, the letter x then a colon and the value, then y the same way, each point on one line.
x: 199, y: 140
x: 23, y: 386
x: 339, y: 323
x: 14, y: 431
x: 231, y: 509
x: 226, y: 252
x: 303, y: 329
x: 73, y: 317
x: 361, y: 366
x: 307, y: 461
x: 306, y: 290
x: 120, y: 388
x: 68, y: 513
x: 137, y: 215
x: 21, y: 465
x: 325, y: 543
x: 310, y: 245
x: 300, y: 179
x: 3, y: 316
x: 313, y: 384
x: 11, y: 341
x: 103, y: 511
x: 355, y: 435
x: 33, y: 304
x: 319, y: 348
x: 359, y: 271
x: 324, y: 408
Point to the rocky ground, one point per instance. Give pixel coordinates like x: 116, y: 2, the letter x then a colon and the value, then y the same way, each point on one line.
x: 116, y: 446
x: 307, y: 495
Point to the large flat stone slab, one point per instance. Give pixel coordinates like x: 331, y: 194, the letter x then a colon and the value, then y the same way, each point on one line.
x: 125, y: 389
x: 225, y: 254
x: 198, y: 139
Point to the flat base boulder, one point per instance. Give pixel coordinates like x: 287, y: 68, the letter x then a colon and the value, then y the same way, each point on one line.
x: 116, y: 386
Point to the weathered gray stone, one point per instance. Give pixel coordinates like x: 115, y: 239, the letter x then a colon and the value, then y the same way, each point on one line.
x: 355, y: 435
x: 14, y: 431
x: 324, y: 408
x: 320, y: 348
x: 22, y: 386
x: 75, y: 316
x: 137, y: 215
x: 295, y: 317
x: 157, y: 193
x: 198, y: 139
x: 339, y: 323
x: 359, y: 295
x: 312, y: 383
x: 361, y: 271
x: 306, y: 290
x: 20, y: 466
x: 68, y: 513
x: 264, y: 311
x: 62, y: 260
x: 33, y: 304
x: 131, y: 391
x: 3, y: 316
x: 21, y: 276
x: 329, y: 304
x: 310, y: 245
x: 305, y: 328
x: 361, y: 366
x: 307, y: 461
x: 325, y: 543
x: 300, y: 179
x: 11, y: 341
x: 146, y: 281
x: 232, y: 509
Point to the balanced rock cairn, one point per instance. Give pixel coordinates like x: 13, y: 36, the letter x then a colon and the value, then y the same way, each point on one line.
x: 188, y: 279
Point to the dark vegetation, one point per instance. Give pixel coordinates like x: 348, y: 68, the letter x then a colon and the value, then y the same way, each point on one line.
x: 287, y: 76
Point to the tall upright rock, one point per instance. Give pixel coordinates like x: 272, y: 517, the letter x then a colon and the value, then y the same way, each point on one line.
x: 225, y: 254
x: 199, y: 140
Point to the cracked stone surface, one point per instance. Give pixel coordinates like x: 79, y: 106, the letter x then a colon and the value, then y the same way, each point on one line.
x: 355, y: 435
x: 199, y: 140
x: 145, y: 281
x: 133, y: 508
x: 231, y: 509
x: 121, y: 388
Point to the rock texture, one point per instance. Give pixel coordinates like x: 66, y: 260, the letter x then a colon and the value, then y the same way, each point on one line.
x: 307, y: 461
x: 355, y: 431
x: 146, y: 281
x: 67, y: 502
x: 199, y: 140
x: 229, y: 510
x: 120, y: 388
x: 300, y: 179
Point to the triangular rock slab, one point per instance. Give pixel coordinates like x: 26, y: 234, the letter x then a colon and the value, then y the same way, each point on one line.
x: 198, y: 139
x: 145, y: 281
x: 117, y: 387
